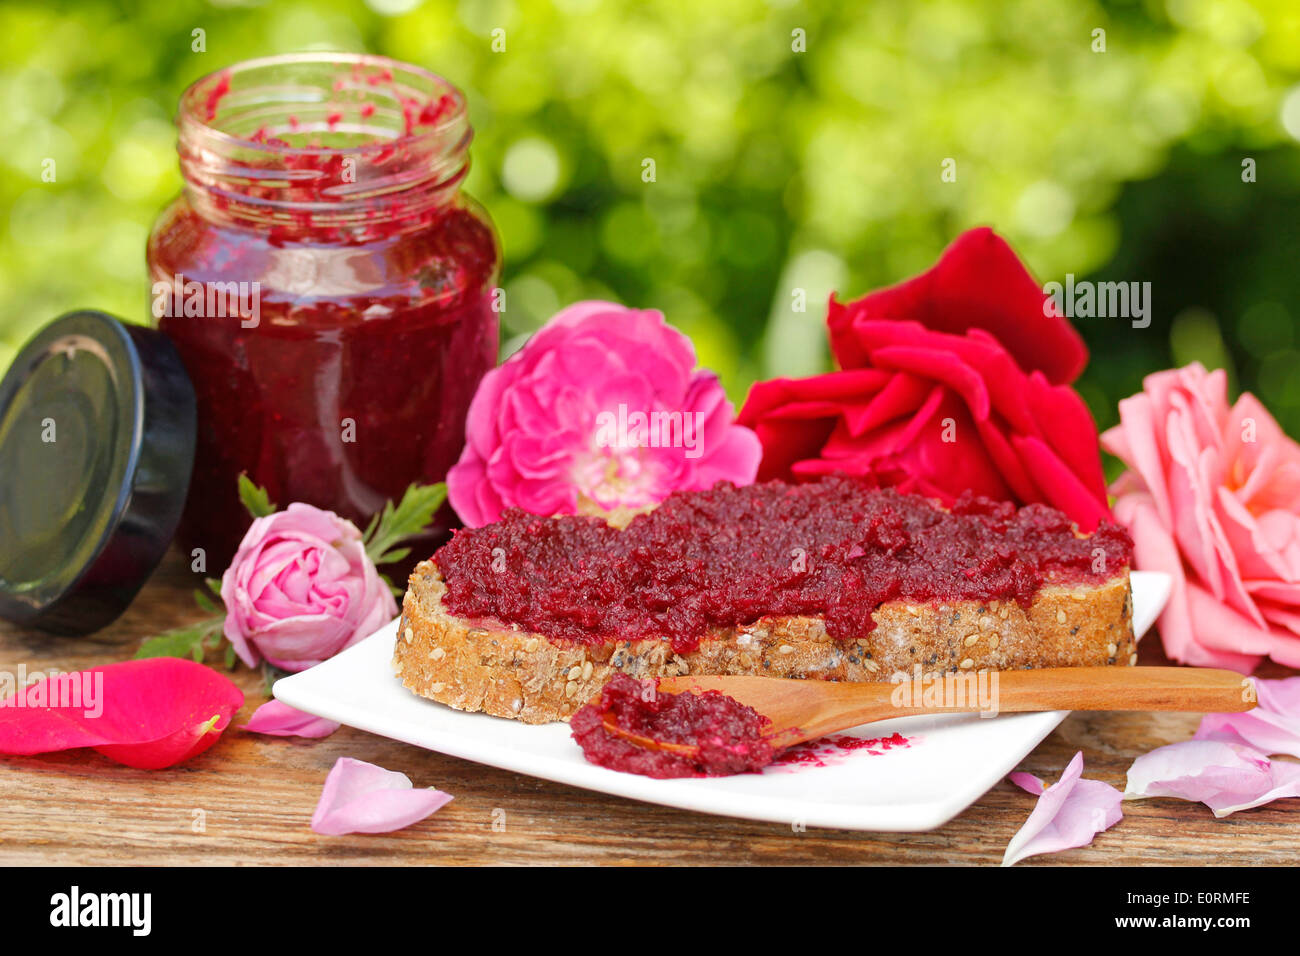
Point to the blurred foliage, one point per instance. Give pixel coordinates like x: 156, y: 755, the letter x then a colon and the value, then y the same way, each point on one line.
x: 776, y: 168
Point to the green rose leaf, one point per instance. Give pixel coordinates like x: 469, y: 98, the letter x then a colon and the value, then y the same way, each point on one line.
x: 254, y: 497
x: 396, y: 523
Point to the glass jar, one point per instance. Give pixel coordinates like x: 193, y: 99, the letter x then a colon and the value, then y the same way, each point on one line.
x: 329, y: 287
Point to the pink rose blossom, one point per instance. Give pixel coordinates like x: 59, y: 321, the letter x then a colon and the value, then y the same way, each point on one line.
x: 301, y: 588
x: 1212, y: 498
x: 602, y: 408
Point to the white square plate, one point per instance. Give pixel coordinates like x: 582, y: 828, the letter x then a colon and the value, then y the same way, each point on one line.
x: 949, y: 763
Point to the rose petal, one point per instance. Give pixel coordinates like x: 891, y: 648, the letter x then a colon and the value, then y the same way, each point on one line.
x: 1028, y: 782
x: 277, y: 719
x: 147, y: 714
x: 978, y: 282
x: 1068, y: 814
x: 1273, y: 727
x: 1284, y: 783
x: 1063, y: 489
x: 359, y: 797
x: 1226, y: 777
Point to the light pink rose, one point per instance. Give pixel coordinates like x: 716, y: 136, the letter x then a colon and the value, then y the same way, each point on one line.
x: 1212, y: 497
x: 556, y: 428
x: 301, y: 588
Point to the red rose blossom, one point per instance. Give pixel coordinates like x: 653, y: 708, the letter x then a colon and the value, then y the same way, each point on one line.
x: 978, y: 283
x: 941, y: 405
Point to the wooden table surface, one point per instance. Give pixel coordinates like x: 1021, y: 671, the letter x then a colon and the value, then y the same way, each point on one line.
x: 257, y: 795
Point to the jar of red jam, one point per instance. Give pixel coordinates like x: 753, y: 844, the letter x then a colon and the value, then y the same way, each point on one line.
x: 329, y: 287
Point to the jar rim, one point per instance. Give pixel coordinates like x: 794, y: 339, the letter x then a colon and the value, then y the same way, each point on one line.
x: 193, y: 97
x: 323, y: 144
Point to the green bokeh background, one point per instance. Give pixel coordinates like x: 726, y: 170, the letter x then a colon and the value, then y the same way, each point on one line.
x: 776, y: 169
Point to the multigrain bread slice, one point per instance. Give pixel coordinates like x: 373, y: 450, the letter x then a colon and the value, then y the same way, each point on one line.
x: 489, y: 666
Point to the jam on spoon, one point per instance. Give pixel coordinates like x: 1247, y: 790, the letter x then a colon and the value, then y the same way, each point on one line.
x: 662, y: 734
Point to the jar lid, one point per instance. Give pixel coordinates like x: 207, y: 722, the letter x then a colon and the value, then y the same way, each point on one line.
x: 97, y: 429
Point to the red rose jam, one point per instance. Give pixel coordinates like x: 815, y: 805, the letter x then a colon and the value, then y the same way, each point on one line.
x: 328, y: 187
x: 727, y: 732
x: 729, y: 556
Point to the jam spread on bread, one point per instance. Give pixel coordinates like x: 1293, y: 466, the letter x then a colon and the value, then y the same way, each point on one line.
x: 727, y: 557
x: 727, y: 732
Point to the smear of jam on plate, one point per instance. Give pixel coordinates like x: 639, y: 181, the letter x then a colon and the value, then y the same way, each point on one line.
x: 829, y: 751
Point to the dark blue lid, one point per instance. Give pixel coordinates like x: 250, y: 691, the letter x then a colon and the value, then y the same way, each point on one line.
x: 96, y: 446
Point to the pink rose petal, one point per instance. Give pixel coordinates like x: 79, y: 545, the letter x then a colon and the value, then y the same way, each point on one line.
x: 359, y: 797
x: 148, y: 714
x: 1284, y: 779
x: 1028, y: 782
x: 277, y: 719
x: 1273, y: 727
x: 1226, y: 777
x: 1069, y: 813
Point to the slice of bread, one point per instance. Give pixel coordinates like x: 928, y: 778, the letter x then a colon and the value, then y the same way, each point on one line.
x: 490, y: 666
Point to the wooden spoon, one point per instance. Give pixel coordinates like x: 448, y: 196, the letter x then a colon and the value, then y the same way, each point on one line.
x: 802, y: 710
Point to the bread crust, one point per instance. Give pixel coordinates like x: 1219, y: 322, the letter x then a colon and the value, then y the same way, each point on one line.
x: 502, y: 670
